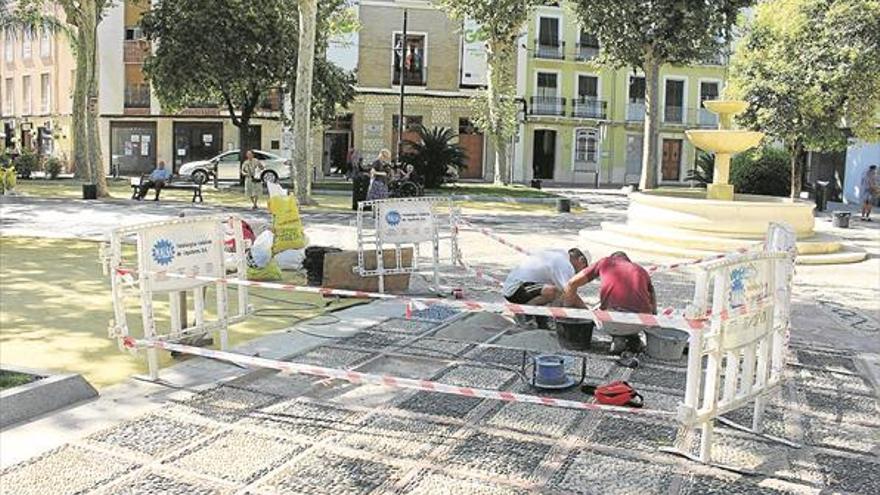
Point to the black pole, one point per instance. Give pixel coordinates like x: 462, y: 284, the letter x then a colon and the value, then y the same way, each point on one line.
x: 400, y: 118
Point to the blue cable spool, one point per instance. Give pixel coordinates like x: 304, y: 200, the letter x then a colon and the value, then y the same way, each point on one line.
x: 548, y: 372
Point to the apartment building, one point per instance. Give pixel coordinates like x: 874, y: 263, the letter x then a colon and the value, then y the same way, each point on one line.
x: 36, y: 81
x: 441, y: 69
x: 583, y: 122
x: 135, y: 130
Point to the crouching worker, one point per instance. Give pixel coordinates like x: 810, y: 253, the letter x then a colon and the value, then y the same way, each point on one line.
x: 625, y: 287
x: 540, y: 279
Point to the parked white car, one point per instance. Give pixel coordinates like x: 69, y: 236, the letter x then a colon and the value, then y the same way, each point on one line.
x: 227, y: 167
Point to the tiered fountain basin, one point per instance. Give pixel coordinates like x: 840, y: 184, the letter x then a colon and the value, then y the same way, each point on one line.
x: 684, y: 224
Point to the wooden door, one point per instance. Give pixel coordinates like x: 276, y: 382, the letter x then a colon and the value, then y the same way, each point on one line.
x: 544, y: 154
x: 472, y: 141
x: 671, y: 167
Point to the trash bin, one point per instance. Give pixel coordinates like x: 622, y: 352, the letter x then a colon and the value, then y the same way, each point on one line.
x: 840, y: 219
x: 536, y: 183
x: 563, y: 205
x: 90, y: 191
x: 360, y: 185
x: 822, y: 193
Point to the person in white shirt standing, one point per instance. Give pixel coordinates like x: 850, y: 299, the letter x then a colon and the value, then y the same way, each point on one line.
x: 541, y: 278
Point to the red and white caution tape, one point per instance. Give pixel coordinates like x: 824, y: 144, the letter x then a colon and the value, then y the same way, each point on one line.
x: 678, y: 266
x: 667, y: 318
x: 492, y: 235
x: 481, y: 274
x: 357, y: 377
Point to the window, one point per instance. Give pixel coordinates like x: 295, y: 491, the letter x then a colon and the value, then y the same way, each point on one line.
x: 45, y: 94
x: 9, y: 47
x: 26, y: 95
x: 548, y: 31
x: 588, y: 87
x: 634, y: 150
x: 45, y: 44
x: 636, y: 89
x: 414, y: 59
x: 27, y: 40
x: 133, y: 33
x: 547, y: 85
x: 708, y: 91
x: 586, y: 146
x: 674, y: 105
x: 410, y: 121
x: 587, y: 47
x: 9, y: 100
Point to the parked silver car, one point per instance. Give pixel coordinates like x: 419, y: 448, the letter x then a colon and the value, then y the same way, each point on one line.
x: 227, y: 167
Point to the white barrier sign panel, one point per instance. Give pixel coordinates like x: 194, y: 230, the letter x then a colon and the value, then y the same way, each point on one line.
x: 193, y: 248
x: 406, y: 222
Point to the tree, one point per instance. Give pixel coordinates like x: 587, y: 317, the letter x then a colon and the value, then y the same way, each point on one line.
x: 81, y: 19
x: 810, y: 70
x: 302, y: 123
x: 649, y: 33
x: 228, y: 51
x: 502, y: 23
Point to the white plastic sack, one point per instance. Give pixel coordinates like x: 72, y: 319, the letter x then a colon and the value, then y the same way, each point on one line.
x: 291, y: 259
x: 261, y: 251
x: 275, y: 190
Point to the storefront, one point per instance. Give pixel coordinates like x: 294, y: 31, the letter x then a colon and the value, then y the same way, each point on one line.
x: 132, y: 147
x: 196, y: 141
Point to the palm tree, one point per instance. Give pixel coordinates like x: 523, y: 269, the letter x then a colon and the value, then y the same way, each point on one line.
x: 435, y: 157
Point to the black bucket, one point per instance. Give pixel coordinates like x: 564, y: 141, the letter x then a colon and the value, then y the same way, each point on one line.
x: 90, y: 191
x: 840, y: 219
x: 574, y: 333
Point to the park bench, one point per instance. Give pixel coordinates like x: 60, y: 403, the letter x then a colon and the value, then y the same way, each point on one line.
x: 196, y: 189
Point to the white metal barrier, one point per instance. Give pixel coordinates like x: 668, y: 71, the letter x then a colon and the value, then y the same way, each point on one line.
x: 403, y: 223
x: 740, y: 357
x: 193, y: 245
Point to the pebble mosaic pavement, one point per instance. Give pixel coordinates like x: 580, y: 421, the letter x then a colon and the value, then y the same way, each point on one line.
x: 264, y: 433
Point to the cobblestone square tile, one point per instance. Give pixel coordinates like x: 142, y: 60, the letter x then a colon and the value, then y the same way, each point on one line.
x: 152, y: 483
x: 631, y: 433
x: 853, y: 475
x: 373, y: 341
x: 237, y: 456
x: 748, y: 451
x: 322, y: 472
x: 834, y: 381
x: 280, y: 384
x: 411, y: 327
x: 840, y: 407
x: 301, y: 417
x: 656, y: 376
x: 709, y: 485
x: 332, y: 357
x: 841, y: 436
x: 152, y: 435
x: 828, y: 361
x: 396, y: 437
x: 774, y: 422
x: 434, y: 483
x: 477, y: 377
x: 225, y: 404
x: 498, y: 456
x: 65, y: 471
x: 449, y: 406
x: 551, y: 422
x: 435, y: 348
x: 498, y: 355
x: 590, y: 472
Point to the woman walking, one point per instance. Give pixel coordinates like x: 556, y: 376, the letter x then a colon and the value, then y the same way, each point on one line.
x: 252, y: 170
x: 868, y: 191
x: 379, y: 176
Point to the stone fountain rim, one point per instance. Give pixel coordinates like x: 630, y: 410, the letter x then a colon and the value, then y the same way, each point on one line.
x: 745, y: 200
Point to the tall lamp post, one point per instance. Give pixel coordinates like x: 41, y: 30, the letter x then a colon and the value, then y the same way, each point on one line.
x: 401, y: 59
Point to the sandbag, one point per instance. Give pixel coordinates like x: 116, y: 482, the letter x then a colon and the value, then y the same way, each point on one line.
x: 269, y: 272
x: 292, y: 259
x: 261, y: 252
x: 286, y: 224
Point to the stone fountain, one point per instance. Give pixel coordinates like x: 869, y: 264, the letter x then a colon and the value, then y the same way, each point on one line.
x: 691, y: 223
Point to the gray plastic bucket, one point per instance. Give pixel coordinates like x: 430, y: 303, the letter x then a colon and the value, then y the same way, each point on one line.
x: 666, y: 343
x: 840, y: 219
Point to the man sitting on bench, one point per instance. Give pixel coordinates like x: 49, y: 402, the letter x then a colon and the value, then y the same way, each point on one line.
x: 156, y: 180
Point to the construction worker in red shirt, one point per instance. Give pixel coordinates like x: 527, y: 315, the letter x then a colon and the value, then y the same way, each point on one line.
x: 625, y: 287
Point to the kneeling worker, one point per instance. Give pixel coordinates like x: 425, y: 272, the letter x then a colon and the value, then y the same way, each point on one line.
x: 541, y: 278
x: 626, y: 287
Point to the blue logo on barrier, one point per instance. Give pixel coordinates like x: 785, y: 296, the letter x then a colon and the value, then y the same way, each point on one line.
x: 392, y: 217
x: 163, y: 252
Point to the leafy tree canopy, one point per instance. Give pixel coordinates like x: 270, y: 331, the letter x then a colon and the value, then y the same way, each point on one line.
x: 809, y: 69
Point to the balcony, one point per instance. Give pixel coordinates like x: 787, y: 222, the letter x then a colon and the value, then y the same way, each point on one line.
x: 411, y: 77
x: 135, y: 51
x: 137, y: 96
x: 705, y: 118
x: 589, y: 108
x: 635, y: 111
x: 552, y: 51
x: 585, y: 53
x: 673, y: 114
x: 547, y: 105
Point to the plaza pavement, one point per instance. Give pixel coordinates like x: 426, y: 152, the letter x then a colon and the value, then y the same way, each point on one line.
x: 216, y: 428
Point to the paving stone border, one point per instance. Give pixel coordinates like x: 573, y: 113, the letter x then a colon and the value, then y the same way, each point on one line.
x: 51, y: 392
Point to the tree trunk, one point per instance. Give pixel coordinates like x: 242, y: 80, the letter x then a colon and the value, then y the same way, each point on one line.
x: 495, y: 78
x: 652, y: 118
x: 244, y: 127
x: 78, y: 117
x: 90, y: 46
x: 302, y: 128
x: 796, y: 150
